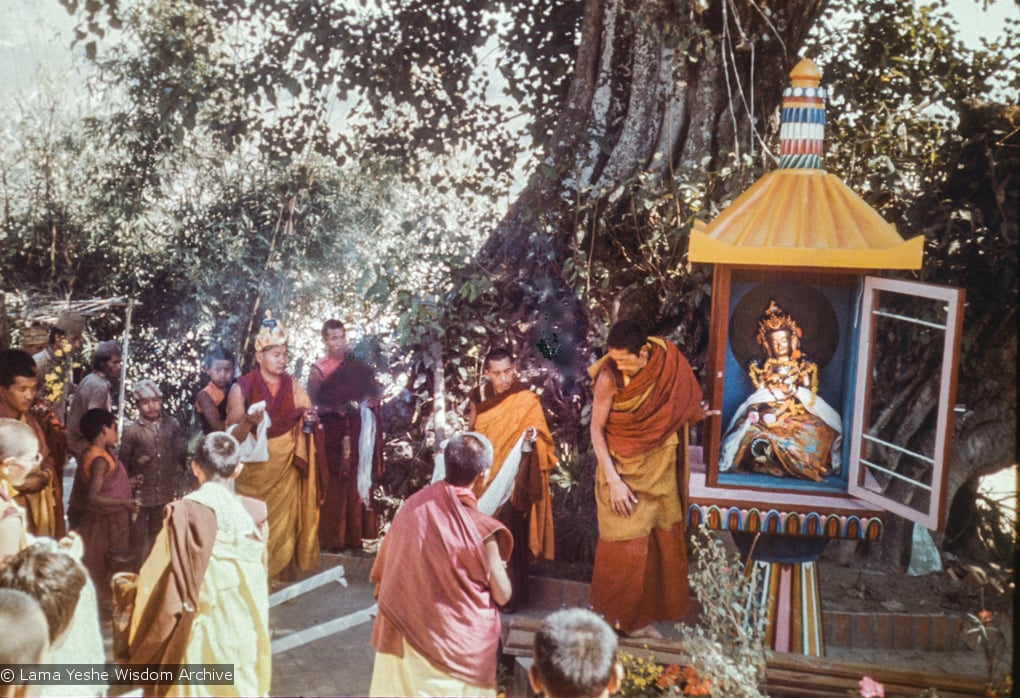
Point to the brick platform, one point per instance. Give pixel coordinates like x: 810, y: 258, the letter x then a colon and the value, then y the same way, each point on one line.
x: 546, y: 592
x: 928, y: 632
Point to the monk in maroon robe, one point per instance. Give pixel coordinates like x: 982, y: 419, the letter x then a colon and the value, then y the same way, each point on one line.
x: 344, y: 392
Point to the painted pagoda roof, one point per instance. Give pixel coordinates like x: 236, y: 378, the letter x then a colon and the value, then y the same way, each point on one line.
x: 800, y: 215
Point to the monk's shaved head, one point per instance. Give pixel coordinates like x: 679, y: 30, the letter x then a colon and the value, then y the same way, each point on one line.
x: 627, y: 335
x: 467, y: 456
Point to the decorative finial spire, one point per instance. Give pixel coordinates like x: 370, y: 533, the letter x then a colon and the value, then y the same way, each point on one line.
x: 802, y: 133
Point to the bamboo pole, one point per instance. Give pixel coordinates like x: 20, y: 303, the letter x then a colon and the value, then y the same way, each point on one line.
x: 439, y: 394
x: 125, y: 347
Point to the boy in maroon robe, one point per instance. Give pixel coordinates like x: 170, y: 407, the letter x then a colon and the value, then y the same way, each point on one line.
x: 106, y: 524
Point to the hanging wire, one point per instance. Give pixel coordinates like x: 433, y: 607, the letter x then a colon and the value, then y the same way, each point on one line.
x: 726, y: 74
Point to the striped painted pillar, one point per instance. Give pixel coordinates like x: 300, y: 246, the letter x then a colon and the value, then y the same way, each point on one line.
x: 793, y: 605
x: 802, y: 133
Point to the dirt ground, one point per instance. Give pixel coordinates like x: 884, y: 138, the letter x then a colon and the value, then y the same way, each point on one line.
x: 864, y: 588
x: 867, y: 589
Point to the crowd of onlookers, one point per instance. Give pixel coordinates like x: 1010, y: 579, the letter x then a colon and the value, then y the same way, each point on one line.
x: 115, y: 505
x: 177, y: 552
x: 68, y: 551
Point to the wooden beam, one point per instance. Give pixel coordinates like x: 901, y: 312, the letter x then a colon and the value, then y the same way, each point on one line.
x: 786, y: 675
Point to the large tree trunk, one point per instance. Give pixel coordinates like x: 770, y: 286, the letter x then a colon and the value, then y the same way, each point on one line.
x: 978, y: 194
x: 662, y: 94
x: 661, y: 91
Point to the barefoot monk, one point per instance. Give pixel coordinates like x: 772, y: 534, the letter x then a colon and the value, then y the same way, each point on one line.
x: 645, y: 391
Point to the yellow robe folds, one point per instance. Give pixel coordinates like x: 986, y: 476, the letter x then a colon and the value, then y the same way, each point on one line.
x: 503, y: 425
x: 291, y: 496
x: 232, y: 623
x: 640, y: 570
x: 413, y: 675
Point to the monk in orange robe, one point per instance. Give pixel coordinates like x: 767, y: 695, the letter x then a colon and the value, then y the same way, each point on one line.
x: 645, y: 391
x: 510, y: 415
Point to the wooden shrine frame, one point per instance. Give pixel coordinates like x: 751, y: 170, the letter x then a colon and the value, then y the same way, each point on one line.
x: 866, y: 488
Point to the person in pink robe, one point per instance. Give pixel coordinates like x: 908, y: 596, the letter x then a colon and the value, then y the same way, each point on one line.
x: 439, y: 574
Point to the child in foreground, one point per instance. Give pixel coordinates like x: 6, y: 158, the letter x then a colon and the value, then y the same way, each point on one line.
x: 54, y: 579
x: 575, y: 657
x: 51, y: 573
x: 30, y: 644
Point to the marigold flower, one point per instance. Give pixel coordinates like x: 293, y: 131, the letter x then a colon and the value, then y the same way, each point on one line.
x: 668, y: 676
x: 701, y: 687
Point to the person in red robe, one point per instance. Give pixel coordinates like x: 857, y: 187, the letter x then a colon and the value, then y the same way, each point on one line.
x: 439, y: 574
x: 645, y: 391
x: 345, y: 393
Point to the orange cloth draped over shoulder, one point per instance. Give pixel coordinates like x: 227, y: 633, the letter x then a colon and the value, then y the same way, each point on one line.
x: 640, y: 572
x: 661, y: 398
x: 503, y: 424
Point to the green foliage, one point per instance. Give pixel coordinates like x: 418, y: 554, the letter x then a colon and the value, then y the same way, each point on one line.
x: 410, y: 80
x: 728, y: 645
x: 992, y: 642
x: 340, y: 158
x: 897, y: 75
x: 228, y: 236
x: 917, y: 125
x: 573, y: 493
x: 637, y: 264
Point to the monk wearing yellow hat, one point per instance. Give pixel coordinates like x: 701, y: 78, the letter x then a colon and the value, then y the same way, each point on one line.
x: 266, y: 410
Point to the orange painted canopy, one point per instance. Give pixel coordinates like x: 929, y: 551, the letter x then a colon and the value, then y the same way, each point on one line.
x: 803, y: 218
